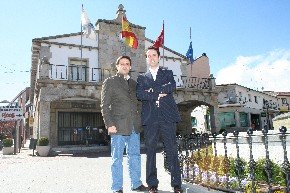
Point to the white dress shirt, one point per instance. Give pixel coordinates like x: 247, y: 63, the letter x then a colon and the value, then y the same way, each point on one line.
x: 127, y: 77
x: 154, y: 72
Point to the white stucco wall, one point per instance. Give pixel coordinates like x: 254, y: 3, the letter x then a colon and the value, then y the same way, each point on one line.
x: 77, y: 40
x: 60, y: 55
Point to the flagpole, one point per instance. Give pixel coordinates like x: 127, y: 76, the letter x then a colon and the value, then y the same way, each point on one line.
x: 163, y: 42
x: 190, y: 62
x: 82, y: 35
x: 123, y: 43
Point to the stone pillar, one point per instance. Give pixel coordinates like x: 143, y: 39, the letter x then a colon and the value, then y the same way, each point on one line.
x: 45, y: 55
x: 184, y: 127
x: 214, y: 122
x: 211, y: 82
x: 44, y: 70
x: 44, y: 119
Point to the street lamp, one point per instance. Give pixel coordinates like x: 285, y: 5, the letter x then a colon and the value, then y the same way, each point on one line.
x: 267, y: 105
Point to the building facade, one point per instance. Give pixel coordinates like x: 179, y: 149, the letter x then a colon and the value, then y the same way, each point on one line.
x: 67, y: 76
x: 241, y: 108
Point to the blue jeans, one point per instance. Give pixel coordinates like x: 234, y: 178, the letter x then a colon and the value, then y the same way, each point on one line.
x: 132, y: 144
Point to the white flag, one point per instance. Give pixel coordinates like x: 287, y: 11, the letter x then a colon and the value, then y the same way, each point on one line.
x: 87, y: 26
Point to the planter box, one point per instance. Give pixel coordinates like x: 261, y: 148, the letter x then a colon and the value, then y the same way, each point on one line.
x: 43, y: 151
x: 8, y: 150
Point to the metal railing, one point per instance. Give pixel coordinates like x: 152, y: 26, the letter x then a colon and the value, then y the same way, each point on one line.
x: 192, y: 82
x: 236, y: 162
x: 79, y: 73
x: 84, y: 73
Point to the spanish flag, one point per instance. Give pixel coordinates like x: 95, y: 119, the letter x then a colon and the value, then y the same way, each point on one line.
x: 127, y: 33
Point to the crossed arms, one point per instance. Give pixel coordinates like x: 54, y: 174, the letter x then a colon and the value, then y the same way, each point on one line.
x: 154, y: 92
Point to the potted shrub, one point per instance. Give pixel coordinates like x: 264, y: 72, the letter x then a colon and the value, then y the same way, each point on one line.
x: 7, y: 146
x: 42, y: 146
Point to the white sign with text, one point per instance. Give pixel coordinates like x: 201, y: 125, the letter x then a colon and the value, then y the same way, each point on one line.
x: 10, y: 113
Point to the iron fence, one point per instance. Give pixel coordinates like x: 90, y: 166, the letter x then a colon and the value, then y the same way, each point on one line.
x: 228, y: 162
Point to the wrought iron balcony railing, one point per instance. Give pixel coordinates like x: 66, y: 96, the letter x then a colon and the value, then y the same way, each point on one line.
x: 79, y: 73
x: 87, y: 74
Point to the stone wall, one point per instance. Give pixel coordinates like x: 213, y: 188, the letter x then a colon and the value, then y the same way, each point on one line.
x: 187, y: 99
x: 111, y: 46
x: 55, y: 96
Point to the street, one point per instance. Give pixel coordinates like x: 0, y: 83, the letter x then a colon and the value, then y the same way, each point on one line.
x: 90, y: 173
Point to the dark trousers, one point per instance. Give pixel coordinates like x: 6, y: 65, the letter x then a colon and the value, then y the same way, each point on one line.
x: 168, y: 135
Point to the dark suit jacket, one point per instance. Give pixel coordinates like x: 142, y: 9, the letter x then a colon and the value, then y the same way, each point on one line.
x: 164, y: 83
x: 119, y: 104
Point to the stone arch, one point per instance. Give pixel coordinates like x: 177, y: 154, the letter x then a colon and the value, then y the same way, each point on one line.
x: 187, y: 101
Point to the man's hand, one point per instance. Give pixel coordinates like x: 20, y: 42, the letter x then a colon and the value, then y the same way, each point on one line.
x: 161, y: 95
x: 149, y: 90
x: 112, y: 129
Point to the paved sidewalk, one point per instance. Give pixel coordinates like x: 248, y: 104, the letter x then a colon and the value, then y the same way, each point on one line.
x: 81, y: 173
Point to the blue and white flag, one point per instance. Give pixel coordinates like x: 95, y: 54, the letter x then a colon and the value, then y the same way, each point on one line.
x: 87, y: 27
x: 189, y: 53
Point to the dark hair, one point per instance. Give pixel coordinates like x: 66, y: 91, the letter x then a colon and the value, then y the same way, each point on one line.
x: 121, y: 57
x: 153, y: 48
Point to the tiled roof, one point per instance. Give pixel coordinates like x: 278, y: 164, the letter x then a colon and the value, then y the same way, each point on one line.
x: 56, y: 36
x: 64, y: 44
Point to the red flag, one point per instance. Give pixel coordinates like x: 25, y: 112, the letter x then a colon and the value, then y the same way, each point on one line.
x: 160, y: 40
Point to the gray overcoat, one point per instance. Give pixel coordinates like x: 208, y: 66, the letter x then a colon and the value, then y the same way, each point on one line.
x: 119, y: 104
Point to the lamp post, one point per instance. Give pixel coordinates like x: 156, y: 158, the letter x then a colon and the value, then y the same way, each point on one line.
x: 88, y: 134
x: 266, y: 105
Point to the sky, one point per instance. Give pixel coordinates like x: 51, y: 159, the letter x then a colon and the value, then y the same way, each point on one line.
x: 247, y: 42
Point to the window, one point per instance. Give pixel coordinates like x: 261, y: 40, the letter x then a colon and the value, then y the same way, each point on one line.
x: 250, y: 97
x: 227, y: 119
x: 256, y: 100
x: 244, y: 121
x: 240, y: 96
x: 78, y: 70
x: 284, y: 101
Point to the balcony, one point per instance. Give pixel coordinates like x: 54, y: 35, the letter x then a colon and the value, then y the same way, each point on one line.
x: 79, y: 73
x: 86, y: 75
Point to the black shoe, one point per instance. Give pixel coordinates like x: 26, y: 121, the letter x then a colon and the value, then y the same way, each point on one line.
x: 118, y: 191
x: 153, y: 189
x: 177, y: 189
x: 141, y: 188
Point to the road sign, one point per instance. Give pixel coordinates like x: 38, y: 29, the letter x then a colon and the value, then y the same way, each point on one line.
x: 10, y: 113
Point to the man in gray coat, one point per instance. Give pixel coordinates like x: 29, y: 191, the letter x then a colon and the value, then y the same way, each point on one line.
x: 122, y: 118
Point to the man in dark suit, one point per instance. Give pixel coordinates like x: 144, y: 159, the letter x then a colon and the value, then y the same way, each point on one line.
x: 122, y: 118
x: 159, y: 117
